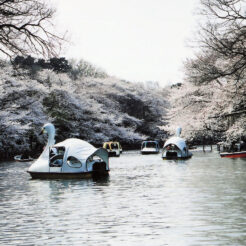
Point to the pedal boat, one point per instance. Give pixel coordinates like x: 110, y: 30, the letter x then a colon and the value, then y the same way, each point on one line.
x: 113, y: 148
x: 176, y: 148
x: 72, y: 158
x: 150, y: 147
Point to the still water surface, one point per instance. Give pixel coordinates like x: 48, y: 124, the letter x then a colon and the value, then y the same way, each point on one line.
x: 145, y: 201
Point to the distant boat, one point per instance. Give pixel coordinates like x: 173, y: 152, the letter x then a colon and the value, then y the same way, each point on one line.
x: 113, y: 148
x: 72, y: 158
x: 176, y: 148
x: 240, y: 154
x: 22, y: 158
x: 150, y: 147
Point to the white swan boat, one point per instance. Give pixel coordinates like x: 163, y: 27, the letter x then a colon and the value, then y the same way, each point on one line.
x: 150, y: 147
x: 72, y: 158
x: 176, y: 148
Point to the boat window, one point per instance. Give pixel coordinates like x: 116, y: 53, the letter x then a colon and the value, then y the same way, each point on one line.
x: 151, y: 145
x: 94, y: 159
x: 107, y: 146
x: 56, y: 161
x: 171, y: 147
x: 56, y: 156
x: 73, y: 162
x: 114, y: 146
x: 57, y: 151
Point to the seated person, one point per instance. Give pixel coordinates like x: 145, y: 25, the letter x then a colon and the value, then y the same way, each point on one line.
x: 56, y: 161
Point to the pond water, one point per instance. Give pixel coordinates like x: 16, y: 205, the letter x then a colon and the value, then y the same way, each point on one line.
x: 144, y: 201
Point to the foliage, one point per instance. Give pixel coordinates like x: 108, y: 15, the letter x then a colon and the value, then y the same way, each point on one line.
x: 222, y: 43
x: 60, y: 65
x: 212, y: 111
x: 216, y: 74
x: 93, y: 109
x: 83, y: 68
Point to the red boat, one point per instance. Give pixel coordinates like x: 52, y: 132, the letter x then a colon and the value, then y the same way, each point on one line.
x: 240, y: 154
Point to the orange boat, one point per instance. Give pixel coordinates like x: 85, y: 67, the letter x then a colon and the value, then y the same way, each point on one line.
x: 240, y: 154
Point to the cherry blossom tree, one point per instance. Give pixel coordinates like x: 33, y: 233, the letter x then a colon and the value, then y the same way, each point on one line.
x: 222, y: 43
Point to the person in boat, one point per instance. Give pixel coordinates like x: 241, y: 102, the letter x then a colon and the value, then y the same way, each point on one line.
x: 242, y: 145
x: 57, y: 163
x: 233, y: 147
x: 53, y: 152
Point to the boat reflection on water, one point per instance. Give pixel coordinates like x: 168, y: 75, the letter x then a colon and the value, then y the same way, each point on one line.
x: 54, y: 188
x: 145, y: 199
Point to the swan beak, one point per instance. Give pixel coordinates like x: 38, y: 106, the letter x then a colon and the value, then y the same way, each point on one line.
x: 42, y: 131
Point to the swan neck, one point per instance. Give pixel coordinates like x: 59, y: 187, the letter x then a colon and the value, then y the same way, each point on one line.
x: 51, y: 139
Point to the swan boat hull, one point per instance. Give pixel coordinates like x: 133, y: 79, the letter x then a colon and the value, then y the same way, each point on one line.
x: 80, y: 175
x: 176, y: 158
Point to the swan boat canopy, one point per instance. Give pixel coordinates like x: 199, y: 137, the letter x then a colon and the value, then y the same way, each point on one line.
x: 150, y: 147
x: 176, y: 148
x: 113, y: 148
x: 72, y: 158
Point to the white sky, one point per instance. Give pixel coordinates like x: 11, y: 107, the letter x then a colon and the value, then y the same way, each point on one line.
x: 136, y: 40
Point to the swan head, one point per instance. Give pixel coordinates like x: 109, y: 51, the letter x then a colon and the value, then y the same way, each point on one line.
x: 49, y: 129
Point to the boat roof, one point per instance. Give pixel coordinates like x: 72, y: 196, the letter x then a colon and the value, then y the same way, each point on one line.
x: 77, y: 148
x: 179, y: 142
x: 110, y: 142
x: 150, y: 141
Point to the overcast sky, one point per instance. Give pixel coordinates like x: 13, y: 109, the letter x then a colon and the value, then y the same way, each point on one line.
x: 136, y: 40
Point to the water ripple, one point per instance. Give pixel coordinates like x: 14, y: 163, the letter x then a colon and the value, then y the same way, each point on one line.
x: 145, y: 201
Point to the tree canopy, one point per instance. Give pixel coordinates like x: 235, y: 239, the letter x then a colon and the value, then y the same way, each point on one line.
x: 26, y: 28
x: 222, y: 42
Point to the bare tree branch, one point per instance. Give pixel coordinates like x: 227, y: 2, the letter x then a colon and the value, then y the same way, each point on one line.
x: 223, y: 43
x: 26, y: 29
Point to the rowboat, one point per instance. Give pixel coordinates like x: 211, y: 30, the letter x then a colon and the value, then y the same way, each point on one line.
x: 240, y: 154
x: 20, y: 158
